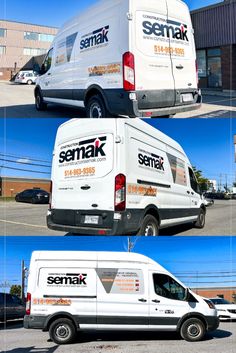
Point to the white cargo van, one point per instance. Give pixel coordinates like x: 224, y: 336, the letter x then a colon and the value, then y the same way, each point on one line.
x: 75, y: 291
x: 124, y: 57
x: 121, y: 176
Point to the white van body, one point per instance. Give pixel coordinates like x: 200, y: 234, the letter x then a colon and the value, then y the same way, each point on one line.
x: 110, y: 291
x: 121, y: 176
x: 124, y: 57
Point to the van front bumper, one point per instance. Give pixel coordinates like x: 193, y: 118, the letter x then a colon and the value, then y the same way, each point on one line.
x: 110, y: 223
x: 213, y: 322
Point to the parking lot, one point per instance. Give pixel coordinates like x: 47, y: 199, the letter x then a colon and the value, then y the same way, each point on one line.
x: 15, y: 339
x: 27, y: 219
x: 17, y: 101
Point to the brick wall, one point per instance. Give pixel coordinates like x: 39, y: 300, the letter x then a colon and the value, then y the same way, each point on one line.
x: 228, y: 293
x: 229, y: 67
x: 10, y: 187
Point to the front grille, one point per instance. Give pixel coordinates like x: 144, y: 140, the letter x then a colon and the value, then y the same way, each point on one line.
x: 232, y: 311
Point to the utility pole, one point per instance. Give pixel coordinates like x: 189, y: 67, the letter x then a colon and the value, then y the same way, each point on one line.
x: 23, y: 277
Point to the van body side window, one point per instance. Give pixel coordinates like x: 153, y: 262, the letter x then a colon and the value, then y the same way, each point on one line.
x: 47, y: 62
x: 167, y: 287
x: 193, y: 181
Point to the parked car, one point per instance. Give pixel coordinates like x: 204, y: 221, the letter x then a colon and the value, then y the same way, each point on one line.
x: 11, y: 307
x: 226, y: 310
x: 33, y: 196
x: 208, y: 201
x: 27, y: 77
x: 217, y: 195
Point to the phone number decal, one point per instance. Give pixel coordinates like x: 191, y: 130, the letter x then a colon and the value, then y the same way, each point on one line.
x: 80, y: 172
x: 160, y: 49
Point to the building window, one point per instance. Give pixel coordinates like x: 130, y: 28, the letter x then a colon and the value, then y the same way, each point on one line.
x: 2, y: 49
x: 38, y: 36
x: 34, y: 52
x: 202, y: 63
x: 3, y: 32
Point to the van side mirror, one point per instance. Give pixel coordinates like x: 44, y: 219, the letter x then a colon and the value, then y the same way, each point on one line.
x: 186, y: 295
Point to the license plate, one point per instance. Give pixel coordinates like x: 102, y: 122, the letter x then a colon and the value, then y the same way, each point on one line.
x: 91, y: 219
x: 187, y: 97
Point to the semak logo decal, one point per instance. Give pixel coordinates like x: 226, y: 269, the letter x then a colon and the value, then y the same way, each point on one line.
x: 171, y: 29
x: 95, y: 39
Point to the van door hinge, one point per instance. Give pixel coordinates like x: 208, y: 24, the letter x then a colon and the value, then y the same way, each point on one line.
x: 130, y: 16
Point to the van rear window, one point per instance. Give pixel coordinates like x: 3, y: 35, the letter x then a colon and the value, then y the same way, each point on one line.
x: 85, y: 157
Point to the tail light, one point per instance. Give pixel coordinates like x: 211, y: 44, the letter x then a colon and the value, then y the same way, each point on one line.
x: 28, y: 303
x: 120, y: 192
x: 128, y: 72
x: 50, y: 196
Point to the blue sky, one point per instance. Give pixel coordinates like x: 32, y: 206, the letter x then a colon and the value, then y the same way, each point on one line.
x: 54, y: 13
x: 207, y: 142
x: 197, y: 261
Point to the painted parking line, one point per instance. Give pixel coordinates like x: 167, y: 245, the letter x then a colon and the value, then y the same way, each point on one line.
x: 23, y: 224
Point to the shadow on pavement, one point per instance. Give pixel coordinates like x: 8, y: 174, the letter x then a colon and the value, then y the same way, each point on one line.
x: 142, y: 336
x: 29, y: 111
x: 11, y: 325
x: 32, y: 349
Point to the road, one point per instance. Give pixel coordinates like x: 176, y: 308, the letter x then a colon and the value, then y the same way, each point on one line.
x: 16, y: 339
x: 27, y: 219
x: 17, y: 101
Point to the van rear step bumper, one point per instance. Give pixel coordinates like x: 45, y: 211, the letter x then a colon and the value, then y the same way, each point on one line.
x: 72, y: 221
x: 168, y: 111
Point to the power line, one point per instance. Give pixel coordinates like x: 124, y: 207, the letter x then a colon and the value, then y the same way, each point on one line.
x: 25, y: 170
x: 20, y: 157
x: 25, y: 163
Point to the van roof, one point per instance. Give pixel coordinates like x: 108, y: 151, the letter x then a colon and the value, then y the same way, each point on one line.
x: 92, y: 256
x: 75, y: 125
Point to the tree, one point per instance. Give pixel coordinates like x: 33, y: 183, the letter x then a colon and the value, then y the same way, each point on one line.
x: 15, y: 290
x: 202, y: 181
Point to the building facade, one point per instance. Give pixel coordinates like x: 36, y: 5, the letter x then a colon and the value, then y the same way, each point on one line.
x: 215, y: 36
x: 19, y: 42
x: 228, y: 293
x: 10, y: 186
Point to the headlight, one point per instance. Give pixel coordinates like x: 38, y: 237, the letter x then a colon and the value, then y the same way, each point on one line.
x: 210, y: 304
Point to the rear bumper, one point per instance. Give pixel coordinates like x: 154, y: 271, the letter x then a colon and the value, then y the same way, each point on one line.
x: 110, y: 223
x: 150, y: 103
x: 35, y: 322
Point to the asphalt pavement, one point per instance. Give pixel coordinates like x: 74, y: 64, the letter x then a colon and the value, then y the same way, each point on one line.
x: 16, y: 339
x: 27, y: 219
x: 17, y: 101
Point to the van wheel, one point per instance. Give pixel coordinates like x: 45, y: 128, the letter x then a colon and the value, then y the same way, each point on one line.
x: 62, y: 331
x: 96, y: 108
x: 201, y: 219
x: 29, y: 82
x: 193, y: 330
x: 149, y: 227
x: 39, y: 103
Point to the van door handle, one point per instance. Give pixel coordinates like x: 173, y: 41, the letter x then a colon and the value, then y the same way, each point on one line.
x: 86, y: 187
x: 156, y: 301
x: 142, y: 300
x: 179, y: 67
x: 49, y: 74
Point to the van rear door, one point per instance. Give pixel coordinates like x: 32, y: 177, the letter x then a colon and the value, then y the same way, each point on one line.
x: 82, y: 169
x: 153, y: 67
x: 182, y: 49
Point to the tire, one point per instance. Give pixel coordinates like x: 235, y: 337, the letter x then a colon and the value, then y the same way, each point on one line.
x: 149, y: 226
x: 39, y: 103
x: 201, y: 219
x: 193, y: 330
x: 62, y: 331
x: 29, y: 82
x: 96, y: 108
